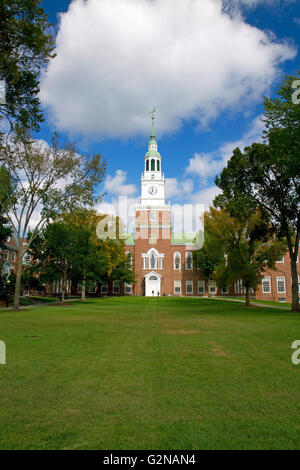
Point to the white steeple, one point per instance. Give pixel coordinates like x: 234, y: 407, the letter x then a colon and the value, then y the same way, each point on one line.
x: 153, y: 180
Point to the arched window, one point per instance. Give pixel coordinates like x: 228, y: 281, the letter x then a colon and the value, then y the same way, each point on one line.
x: 152, y: 278
x: 188, y: 260
x: 152, y: 164
x: 157, y: 165
x: 147, y: 165
x: 177, y: 260
x: 152, y: 260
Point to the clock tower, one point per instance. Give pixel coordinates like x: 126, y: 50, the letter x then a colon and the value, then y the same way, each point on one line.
x: 153, y: 180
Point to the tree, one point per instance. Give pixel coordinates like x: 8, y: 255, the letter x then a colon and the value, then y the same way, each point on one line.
x: 5, y: 229
x: 209, y: 257
x: 69, y: 250
x: 248, y: 243
x: 26, y: 46
x: 268, y: 174
x: 45, y: 181
x: 53, y: 251
x: 98, y: 257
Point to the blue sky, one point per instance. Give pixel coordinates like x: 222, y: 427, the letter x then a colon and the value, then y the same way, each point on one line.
x: 205, y: 65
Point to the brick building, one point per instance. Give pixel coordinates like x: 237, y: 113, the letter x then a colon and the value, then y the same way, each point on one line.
x: 165, y: 267
x: 162, y: 265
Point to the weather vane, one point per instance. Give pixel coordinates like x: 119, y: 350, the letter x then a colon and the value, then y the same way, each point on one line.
x: 153, y: 113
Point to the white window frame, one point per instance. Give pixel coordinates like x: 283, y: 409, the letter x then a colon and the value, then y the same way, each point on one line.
x: 177, y: 253
x: 212, y: 287
x: 201, y: 282
x: 116, y: 284
x: 279, y: 279
x: 281, y: 260
x: 177, y: 285
x: 13, y: 256
x: 190, y: 284
x: 187, y: 254
x: 6, y: 255
x: 266, y: 279
x: 92, y: 287
x: 127, y: 286
x: 104, y: 291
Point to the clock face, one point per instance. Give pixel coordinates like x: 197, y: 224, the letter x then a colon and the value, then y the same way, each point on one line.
x: 152, y: 190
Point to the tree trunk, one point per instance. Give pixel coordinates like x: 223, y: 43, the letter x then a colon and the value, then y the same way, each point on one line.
x: 295, y: 293
x: 16, y: 303
x: 83, y: 290
x: 247, y: 303
x: 63, y: 289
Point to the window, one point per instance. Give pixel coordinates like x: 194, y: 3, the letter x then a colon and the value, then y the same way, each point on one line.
x: 26, y: 258
x: 157, y: 165
x: 92, y: 287
x: 188, y: 260
x: 152, y: 260
x: 298, y: 284
x: 6, y: 254
x: 145, y: 263
x: 177, y: 260
x: 177, y: 287
x: 104, y: 289
x: 152, y: 164
x: 128, y: 288
x: 266, y: 285
x: 116, y: 287
x: 281, y: 260
x: 201, y: 287
x: 189, y: 287
x: 152, y: 216
x: 147, y: 165
x: 212, y: 287
x: 280, y: 280
x: 159, y: 263
x: 224, y: 290
x: 152, y: 278
x: 13, y: 256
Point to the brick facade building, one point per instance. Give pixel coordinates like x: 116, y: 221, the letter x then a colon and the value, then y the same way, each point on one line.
x: 164, y: 267
x: 161, y: 264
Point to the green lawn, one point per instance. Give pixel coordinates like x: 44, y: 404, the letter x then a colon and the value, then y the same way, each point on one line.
x: 143, y: 373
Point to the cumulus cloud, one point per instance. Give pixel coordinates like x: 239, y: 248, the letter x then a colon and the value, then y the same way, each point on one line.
x: 116, y: 59
x: 178, y: 189
x: 116, y: 184
x: 209, y: 164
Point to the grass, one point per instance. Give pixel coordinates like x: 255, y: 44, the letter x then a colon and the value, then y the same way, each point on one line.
x: 257, y: 301
x: 40, y: 298
x: 143, y: 373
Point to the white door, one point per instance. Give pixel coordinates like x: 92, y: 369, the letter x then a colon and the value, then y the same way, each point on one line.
x: 152, y: 286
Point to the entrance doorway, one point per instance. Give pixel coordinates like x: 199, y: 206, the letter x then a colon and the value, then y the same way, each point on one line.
x: 152, y: 284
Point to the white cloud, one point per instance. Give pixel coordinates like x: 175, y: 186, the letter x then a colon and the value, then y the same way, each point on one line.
x: 116, y: 184
x: 206, y: 196
x: 178, y: 189
x: 209, y: 164
x: 118, y: 58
